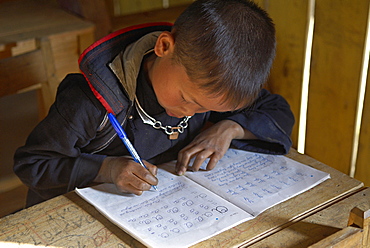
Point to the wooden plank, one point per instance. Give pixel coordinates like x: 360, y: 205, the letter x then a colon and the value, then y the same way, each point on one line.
x: 95, y: 11
x: 65, y: 49
x: 166, y: 15
x: 32, y: 19
x: 173, y: 3
x: 49, y: 87
x: 65, y: 52
x: 348, y: 237
x: 290, y: 18
x: 132, y: 7
x: 339, y: 36
x: 6, y: 50
x: 362, y: 166
x: 32, y: 24
x: 9, y: 182
x: 119, y: 8
x: 112, y: 7
x: 24, y: 47
x: 10, y: 204
x: 60, y: 55
x: 84, y: 41
x: 318, y: 226
x: 31, y: 66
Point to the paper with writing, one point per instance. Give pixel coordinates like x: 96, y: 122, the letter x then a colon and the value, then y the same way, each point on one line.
x: 184, y: 211
x: 255, y: 182
x: 181, y: 213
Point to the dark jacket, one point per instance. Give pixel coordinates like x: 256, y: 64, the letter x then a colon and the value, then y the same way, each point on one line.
x: 67, y: 148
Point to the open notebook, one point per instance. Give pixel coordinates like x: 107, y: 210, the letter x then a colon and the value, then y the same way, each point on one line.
x: 188, y: 209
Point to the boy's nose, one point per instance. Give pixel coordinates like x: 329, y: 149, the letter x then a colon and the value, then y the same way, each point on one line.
x: 193, y: 111
x: 188, y: 113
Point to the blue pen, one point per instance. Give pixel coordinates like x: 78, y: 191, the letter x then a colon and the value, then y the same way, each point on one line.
x: 123, y: 136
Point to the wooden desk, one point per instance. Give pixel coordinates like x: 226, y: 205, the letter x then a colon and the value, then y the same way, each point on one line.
x: 326, y: 222
x: 69, y: 221
x: 39, y: 45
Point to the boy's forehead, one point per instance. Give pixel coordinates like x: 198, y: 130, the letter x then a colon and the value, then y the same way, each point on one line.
x: 197, y: 91
x: 215, y: 102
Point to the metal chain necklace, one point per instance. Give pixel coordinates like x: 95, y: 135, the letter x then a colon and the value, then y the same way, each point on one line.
x: 172, y: 132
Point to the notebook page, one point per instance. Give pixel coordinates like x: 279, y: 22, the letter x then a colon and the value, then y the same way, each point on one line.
x: 255, y: 182
x: 180, y: 214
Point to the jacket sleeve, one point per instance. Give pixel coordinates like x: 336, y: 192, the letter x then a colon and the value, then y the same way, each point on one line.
x: 52, y: 162
x: 269, y: 118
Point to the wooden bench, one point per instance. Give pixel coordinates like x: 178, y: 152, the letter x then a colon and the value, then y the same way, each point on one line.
x: 39, y: 45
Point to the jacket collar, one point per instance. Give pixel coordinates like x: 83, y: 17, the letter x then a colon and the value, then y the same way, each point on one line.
x: 127, y: 64
x: 94, y: 65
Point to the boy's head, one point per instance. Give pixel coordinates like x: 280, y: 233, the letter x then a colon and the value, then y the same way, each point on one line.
x: 228, y: 45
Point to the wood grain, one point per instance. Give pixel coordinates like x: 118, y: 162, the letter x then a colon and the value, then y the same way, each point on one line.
x: 68, y: 220
x: 362, y: 166
x: 338, y: 45
x: 311, y: 230
x: 290, y: 18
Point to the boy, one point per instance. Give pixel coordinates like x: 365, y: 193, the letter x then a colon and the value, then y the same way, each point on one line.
x: 163, y: 84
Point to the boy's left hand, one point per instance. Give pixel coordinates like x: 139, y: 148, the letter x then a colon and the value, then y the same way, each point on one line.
x: 211, y: 143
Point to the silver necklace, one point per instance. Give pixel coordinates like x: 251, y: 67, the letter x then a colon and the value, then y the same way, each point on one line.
x: 172, y: 132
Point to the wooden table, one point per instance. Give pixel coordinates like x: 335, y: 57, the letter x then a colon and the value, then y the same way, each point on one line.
x: 69, y: 221
x: 39, y: 44
x: 327, y: 226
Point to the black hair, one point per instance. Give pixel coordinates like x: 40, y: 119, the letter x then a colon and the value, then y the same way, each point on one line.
x: 229, y: 45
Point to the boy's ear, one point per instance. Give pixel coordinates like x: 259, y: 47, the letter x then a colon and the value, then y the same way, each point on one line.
x: 165, y: 44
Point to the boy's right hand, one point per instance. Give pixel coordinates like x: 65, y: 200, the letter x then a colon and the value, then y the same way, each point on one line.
x: 127, y: 175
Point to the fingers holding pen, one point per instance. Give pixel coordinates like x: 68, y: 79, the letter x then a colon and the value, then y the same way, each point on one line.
x: 129, y: 176
x: 134, y: 178
x: 148, y: 175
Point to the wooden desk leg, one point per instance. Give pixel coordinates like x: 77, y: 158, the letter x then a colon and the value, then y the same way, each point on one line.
x: 356, y: 234
x: 360, y: 217
x: 48, y: 88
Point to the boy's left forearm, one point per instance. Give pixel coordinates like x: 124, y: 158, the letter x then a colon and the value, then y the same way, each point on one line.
x: 267, y: 124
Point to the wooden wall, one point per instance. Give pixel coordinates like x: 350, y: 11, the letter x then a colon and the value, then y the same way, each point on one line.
x: 125, y: 7
x: 336, y: 63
